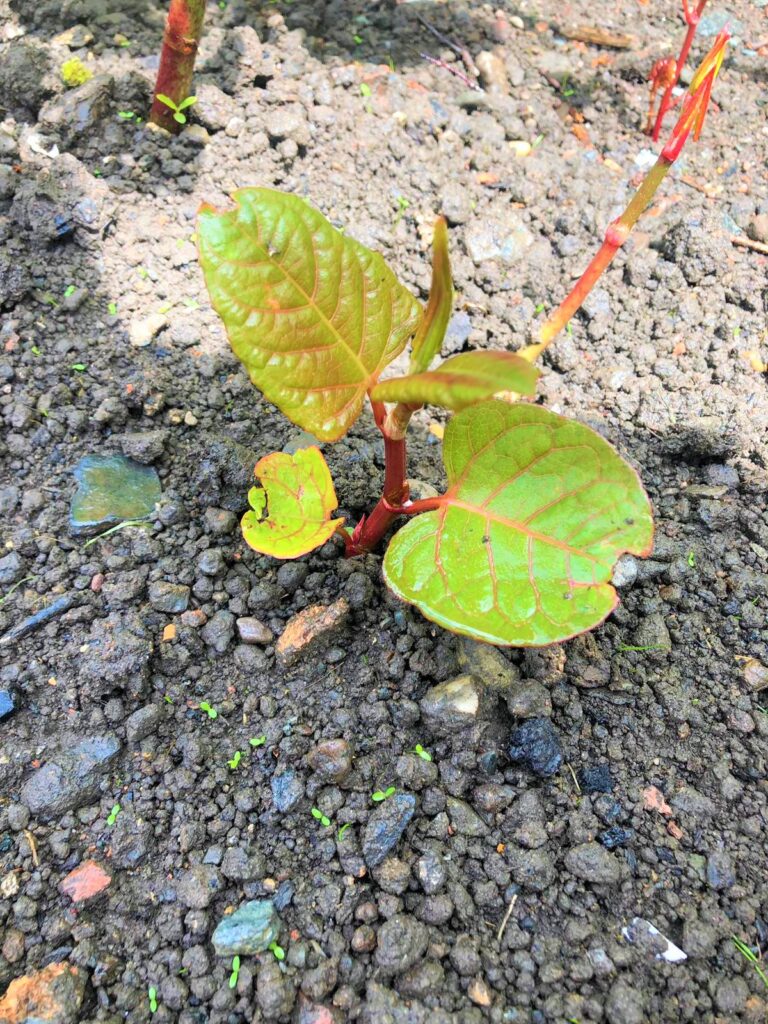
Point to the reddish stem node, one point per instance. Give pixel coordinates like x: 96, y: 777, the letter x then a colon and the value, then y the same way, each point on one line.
x: 692, y: 19
x: 183, y: 29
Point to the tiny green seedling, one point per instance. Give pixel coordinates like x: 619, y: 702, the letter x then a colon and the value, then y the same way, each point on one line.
x: 257, y: 741
x: 235, y: 760
x: 343, y: 829
x: 178, y: 116
x: 206, y: 707
x: 167, y: 699
x: 752, y: 957
x: 539, y: 309
x: 235, y: 971
x: 318, y: 815
x: 423, y: 754
x: 152, y: 996
x: 112, y: 817
x: 126, y: 115
x: 402, y: 204
x: 35, y: 350
x: 277, y: 951
x: 519, y: 550
x: 380, y: 795
x: 69, y: 290
x: 112, y: 309
x: 78, y: 367
x: 691, y: 559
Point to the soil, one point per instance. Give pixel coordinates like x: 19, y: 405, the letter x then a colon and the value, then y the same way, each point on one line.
x: 622, y: 775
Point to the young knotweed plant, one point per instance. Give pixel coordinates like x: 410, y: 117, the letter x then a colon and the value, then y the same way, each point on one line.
x: 665, y: 73
x: 520, y: 548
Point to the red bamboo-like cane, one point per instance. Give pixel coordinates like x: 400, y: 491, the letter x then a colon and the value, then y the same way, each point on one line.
x: 692, y: 18
x: 177, y: 60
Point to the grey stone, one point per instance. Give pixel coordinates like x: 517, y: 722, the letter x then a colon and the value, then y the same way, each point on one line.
x: 288, y: 121
x: 401, y: 942
x: 251, y: 929
x: 118, y: 655
x: 287, y: 790
x: 385, y: 827
x: 142, y: 722
x: 625, y: 1004
x: 213, y: 108
x: 275, y: 991
x: 499, y: 235
x: 144, y: 446
x: 171, y: 598
x: 219, y: 630
x: 532, y: 869
x: 211, y: 562
x: 455, y: 203
x: 453, y: 705
x: 529, y: 699
x: 392, y: 875
x: 593, y: 863
x: 72, y: 779
x: 77, y: 112
x: 253, y: 631
x: 536, y: 744
x: 7, y: 705
x: 720, y: 871
x: 431, y: 872
x: 198, y: 886
x: 466, y: 821
x: 11, y: 568
x: 130, y: 840
x: 730, y: 996
x: 691, y: 801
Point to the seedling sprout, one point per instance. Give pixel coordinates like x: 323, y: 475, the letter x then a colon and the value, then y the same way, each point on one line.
x: 318, y: 815
x: 278, y: 951
x: 112, y: 817
x: 152, y: 996
x: 206, y: 707
x: 235, y: 971
x: 748, y: 954
x: 235, y: 760
x: 380, y: 795
x: 257, y: 741
x: 423, y: 754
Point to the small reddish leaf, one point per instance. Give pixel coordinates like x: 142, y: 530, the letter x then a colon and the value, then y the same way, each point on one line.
x: 291, y: 511
x: 434, y: 323
x: 462, y: 380
x: 521, y: 550
x: 314, y: 316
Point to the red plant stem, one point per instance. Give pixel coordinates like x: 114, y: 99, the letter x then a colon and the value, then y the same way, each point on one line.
x: 692, y: 19
x: 371, y: 529
x: 177, y: 60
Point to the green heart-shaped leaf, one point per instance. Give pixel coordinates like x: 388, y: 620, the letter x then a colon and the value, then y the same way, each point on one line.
x: 521, y: 549
x: 429, y: 338
x: 314, y: 316
x: 461, y: 380
x: 291, y: 511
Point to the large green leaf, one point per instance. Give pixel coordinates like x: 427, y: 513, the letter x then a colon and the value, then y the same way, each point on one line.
x: 429, y: 338
x: 314, y: 316
x: 521, y: 549
x: 461, y: 381
x: 291, y: 511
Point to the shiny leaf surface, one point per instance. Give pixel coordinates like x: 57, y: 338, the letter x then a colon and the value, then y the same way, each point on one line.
x: 429, y: 337
x: 314, y: 316
x: 461, y: 381
x: 291, y: 511
x: 520, y: 551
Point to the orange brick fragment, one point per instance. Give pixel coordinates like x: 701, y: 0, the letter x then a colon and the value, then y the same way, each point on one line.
x: 47, y: 997
x: 653, y: 800
x: 306, y: 631
x: 85, y: 882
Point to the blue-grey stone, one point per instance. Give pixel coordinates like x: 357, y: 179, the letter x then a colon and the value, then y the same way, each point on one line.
x: 71, y: 779
x: 536, y: 744
x: 251, y: 929
x: 287, y: 790
x: 6, y: 703
x: 385, y: 827
x: 112, y: 489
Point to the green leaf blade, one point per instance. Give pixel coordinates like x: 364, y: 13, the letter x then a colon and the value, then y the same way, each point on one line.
x: 291, y: 512
x: 461, y: 380
x: 314, y: 316
x: 522, y: 550
x: 431, y: 333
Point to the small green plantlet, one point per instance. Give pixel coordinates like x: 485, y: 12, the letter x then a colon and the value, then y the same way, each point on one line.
x: 235, y: 971
x: 343, y: 829
x: 143, y: 273
x: 74, y: 72
x: 277, y: 951
x: 318, y: 815
x: 358, y: 40
x: 152, y: 996
x: 257, y: 741
x: 691, y: 559
x: 114, y: 529
x: 206, y: 707
x: 69, y: 290
x: 112, y: 817
x: 178, y: 116
x: 752, y: 957
x: 14, y: 588
x: 380, y: 795
x: 167, y: 699
x: 519, y: 550
x: 126, y: 115
x: 539, y: 309
x: 35, y: 350
x: 112, y: 309
x: 402, y: 206
x: 365, y: 89
x: 235, y: 761
x: 78, y: 367
x: 423, y: 754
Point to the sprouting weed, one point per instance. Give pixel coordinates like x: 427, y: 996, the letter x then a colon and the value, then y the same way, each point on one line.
x: 569, y: 328
x: 235, y: 760
x: 79, y: 367
x: 35, y: 350
x: 235, y: 971
x: 69, y: 290
x: 125, y: 115
x: 278, y: 951
x: 402, y: 204
x: 423, y: 754
x: 749, y: 955
x: 114, y: 529
x: 177, y: 108
x: 257, y: 741
x: 365, y: 89
x: 343, y: 829
x: 691, y: 559
x: 112, y: 817
x: 318, y: 815
x: 112, y: 309
x: 167, y: 699
x: 378, y: 796
x: 206, y: 707
x: 537, y: 141
x: 152, y: 996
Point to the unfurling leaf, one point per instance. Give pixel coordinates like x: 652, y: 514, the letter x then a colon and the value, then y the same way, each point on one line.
x: 314, y: 316
x: 521, y: 549
x: 461, y: 381
x: 292, y: 508
x: 431, y: 333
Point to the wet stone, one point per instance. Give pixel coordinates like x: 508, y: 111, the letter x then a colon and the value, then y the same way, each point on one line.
x: 253, y: 631
x: 53, y: 995
x: 536, y: 744
x: 616, y: 836
x: 332, y: 759
x: 385, y: 827
x: 7, y: 705
x: 720, y: 871
x: 250, y: 929
x: 593, y: 863
x: 219, y: 630
x: 198, y: 886
x: 111, y: 489
x: 529, y: 699
x: 533, y: 869
x: 145, y: 446
x: 142, y: 722
x: 401, y: 942
x: 287, y: 790
x: 310, y: 629
x: 453, y: 705
x: 465, y: 821
x: 211, y: 562
x: 596, y: 779
x: 11, y: 568
x: 171, y: 598
x: 431, y: 872
x: 72, y: 779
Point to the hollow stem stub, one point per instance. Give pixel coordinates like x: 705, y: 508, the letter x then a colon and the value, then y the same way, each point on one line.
x: 183, y: 29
